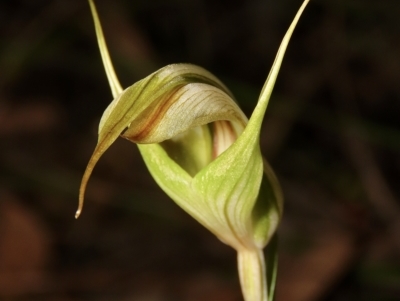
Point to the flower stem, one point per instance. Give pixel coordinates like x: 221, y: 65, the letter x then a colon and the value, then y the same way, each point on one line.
x: 252, y: 274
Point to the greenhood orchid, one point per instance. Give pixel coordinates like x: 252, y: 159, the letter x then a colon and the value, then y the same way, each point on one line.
x: 204, y: 153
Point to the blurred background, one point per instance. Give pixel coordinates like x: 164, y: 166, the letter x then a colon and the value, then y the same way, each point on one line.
x: 332, y: 134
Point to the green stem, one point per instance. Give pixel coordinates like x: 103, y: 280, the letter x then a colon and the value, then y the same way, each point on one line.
x: 252, y: 274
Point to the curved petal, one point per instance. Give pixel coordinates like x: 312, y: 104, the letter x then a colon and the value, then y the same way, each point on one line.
x: 168, y: 102
x: 180, y: 109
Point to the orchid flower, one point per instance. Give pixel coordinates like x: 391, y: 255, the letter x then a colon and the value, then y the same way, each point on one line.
x: 204, y: 153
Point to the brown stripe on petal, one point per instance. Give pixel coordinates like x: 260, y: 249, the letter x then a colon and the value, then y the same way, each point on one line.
x: 141, y: 127
x: 223, y: 136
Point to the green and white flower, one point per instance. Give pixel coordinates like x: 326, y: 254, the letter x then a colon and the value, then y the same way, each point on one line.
x: 204, y: 153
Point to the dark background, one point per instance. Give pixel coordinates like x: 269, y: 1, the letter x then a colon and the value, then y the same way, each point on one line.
x: 332, y: 133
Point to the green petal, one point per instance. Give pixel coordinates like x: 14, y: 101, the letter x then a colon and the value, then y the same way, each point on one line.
x: 165, y: 104
x: 228, y: 187
x: 234, y: 179
x: 112, y: 77
x: 178, y: 185
x: 268, y: 208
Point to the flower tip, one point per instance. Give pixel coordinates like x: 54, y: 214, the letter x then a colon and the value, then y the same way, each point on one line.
x: 81, y: 200
x: 92, y: 162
